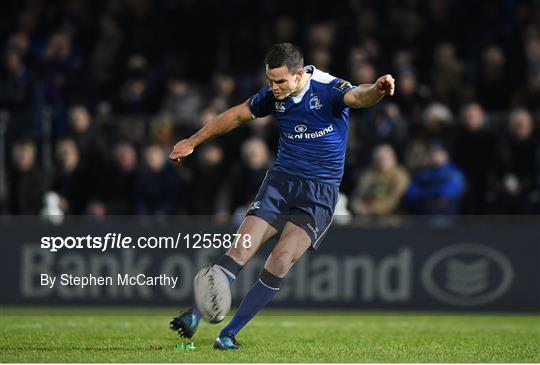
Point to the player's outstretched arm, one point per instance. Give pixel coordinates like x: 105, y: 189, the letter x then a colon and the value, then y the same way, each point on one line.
x: 223, y: 123
x: 370, y: 94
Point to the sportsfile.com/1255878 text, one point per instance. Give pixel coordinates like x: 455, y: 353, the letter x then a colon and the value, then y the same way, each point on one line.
x: 121, y: 241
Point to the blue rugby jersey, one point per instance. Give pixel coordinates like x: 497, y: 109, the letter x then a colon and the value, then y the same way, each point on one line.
x: 313, y: 127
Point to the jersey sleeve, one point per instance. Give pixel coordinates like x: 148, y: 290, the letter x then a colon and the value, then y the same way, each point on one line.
x: 339, y: 88
x: 262, y: 103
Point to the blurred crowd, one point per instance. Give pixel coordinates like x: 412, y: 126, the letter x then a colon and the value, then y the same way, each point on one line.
x: 94, y: 94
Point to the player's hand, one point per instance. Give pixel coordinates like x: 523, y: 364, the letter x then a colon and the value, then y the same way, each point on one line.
x: 182, y: 149
x: 386, y: 85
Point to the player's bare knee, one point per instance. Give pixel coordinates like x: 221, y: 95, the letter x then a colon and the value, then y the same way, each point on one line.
x: 239, y: 254
x: 279, y: 263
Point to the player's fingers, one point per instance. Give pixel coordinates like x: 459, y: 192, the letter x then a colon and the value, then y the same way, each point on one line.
x: 174, y: 156
x: 385, y: 81
x: 390, y: 82
x: 179, y: 154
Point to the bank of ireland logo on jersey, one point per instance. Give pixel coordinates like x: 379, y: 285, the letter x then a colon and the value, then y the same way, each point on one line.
x: 300, y: 128
x: 280, y: 106
x: 315, y: 103
x: 467, y: 275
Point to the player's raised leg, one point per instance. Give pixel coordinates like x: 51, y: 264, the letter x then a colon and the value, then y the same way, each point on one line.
x: 231, y: 263
x: 293, y: 243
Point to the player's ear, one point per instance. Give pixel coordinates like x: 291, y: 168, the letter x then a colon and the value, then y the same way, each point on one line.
x: 299, y: 74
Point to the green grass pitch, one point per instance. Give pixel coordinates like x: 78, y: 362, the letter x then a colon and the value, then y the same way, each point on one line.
x: 137, y: 335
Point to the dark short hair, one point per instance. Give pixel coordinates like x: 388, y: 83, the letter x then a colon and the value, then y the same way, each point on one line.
x: 24, y: 141
x: 284, y: 54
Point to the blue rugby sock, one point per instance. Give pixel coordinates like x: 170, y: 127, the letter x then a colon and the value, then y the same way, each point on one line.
x: 260, y: 294
x: 230, y: 268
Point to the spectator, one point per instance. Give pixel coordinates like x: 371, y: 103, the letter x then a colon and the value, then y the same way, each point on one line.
x: 448, y: 76
x: 363, y: 73
x: 409, y: 96
x: 26, y: 181
x: 284, y: 29
x: 16, y: 89
x: 224, y: 86
x: 162, y: 130
x: 158, y: 187
x: 437, y: 126
x: 72, y: 181
x: 267, y: 129
x: 106, y: 51
x: 183, y: 101
x: 62, y: 63
x: 87, y: 138
x: 15, y: 81
x: 474, y: 156
x: 357, y: 57
x: 381, y: 186
x: 118, y: 190
x: 382, y: 124
x: 493, y: 86
x: 246, y: 177
x: 207, y: 179
x: 437, y: 188
x: 321, y: 58
x: 516, y: 164
x: 136, y: 94
x: 321, y: 35
x: 529, y: 94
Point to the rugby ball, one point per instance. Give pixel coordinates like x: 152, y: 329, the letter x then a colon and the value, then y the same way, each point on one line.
x: 212, y: 293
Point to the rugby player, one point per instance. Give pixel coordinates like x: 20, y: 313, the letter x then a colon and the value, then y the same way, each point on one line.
x: 299, y: 194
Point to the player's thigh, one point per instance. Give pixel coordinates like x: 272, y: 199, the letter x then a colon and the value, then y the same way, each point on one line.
x: 258, y: 230
x: 292, y: 244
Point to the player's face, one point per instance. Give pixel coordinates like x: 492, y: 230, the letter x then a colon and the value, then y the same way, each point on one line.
x: 282, y: 82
